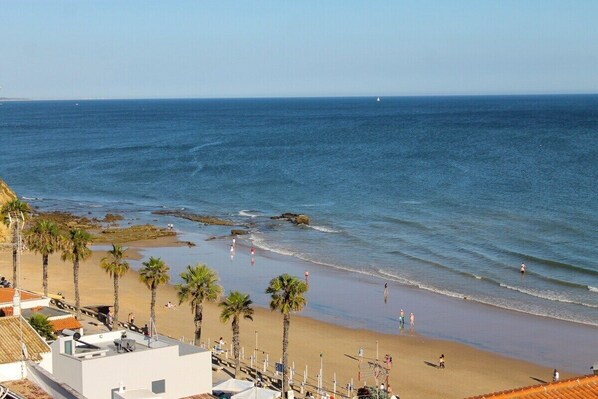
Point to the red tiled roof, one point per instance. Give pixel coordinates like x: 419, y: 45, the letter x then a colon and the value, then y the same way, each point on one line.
x: 27, y: 389
x: 584, y: 387
x: 69, y: 322
x: 6, y: 295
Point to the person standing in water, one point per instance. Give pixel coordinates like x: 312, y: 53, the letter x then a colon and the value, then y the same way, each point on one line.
x: 402, y: 319
x: 385, y: 292
x: 522, y: 269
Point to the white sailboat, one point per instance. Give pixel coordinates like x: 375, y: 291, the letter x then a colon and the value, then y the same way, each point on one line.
x: 378, y: 99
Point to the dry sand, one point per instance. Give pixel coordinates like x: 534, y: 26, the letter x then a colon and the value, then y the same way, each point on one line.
x: 468, y: 371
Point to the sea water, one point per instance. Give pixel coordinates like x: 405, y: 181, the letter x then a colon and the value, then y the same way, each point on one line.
x: 446, y: 194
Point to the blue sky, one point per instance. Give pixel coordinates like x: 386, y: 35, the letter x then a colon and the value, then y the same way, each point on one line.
x: 162, y: 49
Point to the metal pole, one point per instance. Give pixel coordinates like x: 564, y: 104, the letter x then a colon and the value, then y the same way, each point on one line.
x: 334, y: 385
x: 321, y: 372
x: 255, y: 354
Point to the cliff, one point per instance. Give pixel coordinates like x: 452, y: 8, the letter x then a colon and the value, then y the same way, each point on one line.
x: 6, y: 195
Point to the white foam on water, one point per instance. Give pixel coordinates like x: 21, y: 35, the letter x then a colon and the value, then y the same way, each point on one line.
x: 247, y: 213
x: 548, y: 295
x: 322, y: 229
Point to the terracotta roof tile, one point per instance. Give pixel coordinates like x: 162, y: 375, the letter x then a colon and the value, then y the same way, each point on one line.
x: 6, y: 295
x: 27, y: 389
x: 10, y: 344
x: 68, y: 322
x: 584, y: 387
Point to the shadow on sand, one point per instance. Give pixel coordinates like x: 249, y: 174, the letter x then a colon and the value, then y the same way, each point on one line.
x: 431, y: 364
x: 539, y: 380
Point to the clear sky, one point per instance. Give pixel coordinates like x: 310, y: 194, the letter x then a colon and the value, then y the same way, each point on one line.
x: 221, y: 48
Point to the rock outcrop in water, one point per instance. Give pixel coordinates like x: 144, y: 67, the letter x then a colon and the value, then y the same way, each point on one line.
x: 295, y: 218
x: 195, y: 218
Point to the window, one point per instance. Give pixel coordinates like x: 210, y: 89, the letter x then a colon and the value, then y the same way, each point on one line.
x: 68, y: 347
x: 159, y: 386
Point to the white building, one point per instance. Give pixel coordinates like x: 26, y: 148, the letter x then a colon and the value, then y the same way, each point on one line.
x: 108, y: 366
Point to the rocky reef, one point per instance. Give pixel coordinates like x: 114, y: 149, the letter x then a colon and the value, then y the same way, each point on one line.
x: 196, y: 218
x: 295, y: 218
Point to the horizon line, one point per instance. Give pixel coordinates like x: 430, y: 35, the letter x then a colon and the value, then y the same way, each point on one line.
x: 26, y: 99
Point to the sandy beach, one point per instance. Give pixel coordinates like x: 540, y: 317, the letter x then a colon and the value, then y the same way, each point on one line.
x: 469, y: 371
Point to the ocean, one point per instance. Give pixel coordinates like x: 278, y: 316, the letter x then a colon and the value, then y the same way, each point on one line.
x: 445, y: 194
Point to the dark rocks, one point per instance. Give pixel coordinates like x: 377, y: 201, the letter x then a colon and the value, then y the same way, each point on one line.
x: 295, y: 218
x: 196, y: 218
x: 238, y: 232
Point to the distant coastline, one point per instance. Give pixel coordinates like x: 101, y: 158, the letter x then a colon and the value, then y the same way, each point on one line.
x: 14, y: 99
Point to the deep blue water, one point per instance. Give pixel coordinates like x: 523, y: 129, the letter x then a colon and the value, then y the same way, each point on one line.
x: 450, y: 194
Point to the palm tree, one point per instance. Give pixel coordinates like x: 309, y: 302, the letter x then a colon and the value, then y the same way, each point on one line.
x: 44, y: 238
x: 200, y: 284
x: 116, y: 267
x: 76, y: 249
x: 287, y: 296
x: 235, y: 305
x: 153, y: 274
x: 12, y: 209
x: 42, y: 326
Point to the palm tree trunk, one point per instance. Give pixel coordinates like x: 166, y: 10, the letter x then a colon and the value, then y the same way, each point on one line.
x: 198, y: 319
x: 236, y: 345
x: 76, y: 281
x: 45, y: 273
x: 116, y: 301
x: 286, y: 323
x: 153, y: 310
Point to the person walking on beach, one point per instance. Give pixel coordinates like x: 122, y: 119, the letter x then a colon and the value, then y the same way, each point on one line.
x: 402, y: 319
x: 412, y: 320
x: 234, y: 241
x: 441, y: 361
x: 252, y: 250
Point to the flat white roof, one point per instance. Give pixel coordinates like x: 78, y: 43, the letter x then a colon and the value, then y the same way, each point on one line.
x: 137, y: 394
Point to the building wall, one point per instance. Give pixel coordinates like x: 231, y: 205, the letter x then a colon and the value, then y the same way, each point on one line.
x: 11, y: 371
x: 64, y: 367
x: 184, y: 376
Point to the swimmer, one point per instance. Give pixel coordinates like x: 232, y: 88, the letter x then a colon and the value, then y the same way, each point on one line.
x: 522, y: 268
